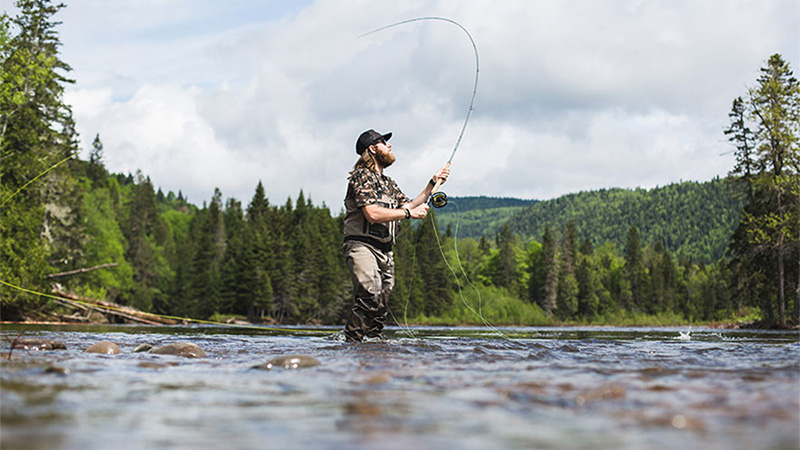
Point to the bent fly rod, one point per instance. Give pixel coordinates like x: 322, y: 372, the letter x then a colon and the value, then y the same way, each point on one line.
x: 439, y: 199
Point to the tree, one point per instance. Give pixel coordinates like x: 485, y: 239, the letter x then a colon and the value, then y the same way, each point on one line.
x: 550, y: 265
x: 208, y: 238
x: 505, y: 272
x: 96, y: 170
x: 146, y: 233
x: 435, y: 277
x: 740, y: 135
x: 635, y: 271
x: 36, y: 132
x: 567, y: 289
x: 586, y: 276
x: 258, y: 256
x: 770, y: 221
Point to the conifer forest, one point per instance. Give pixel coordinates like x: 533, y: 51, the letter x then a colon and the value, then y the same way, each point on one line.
x: 721, y: 250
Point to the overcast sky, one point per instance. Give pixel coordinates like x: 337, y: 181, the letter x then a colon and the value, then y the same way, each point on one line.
x: 573, y: 95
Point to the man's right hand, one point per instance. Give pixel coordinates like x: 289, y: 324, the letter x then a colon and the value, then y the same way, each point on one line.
x: 419, y: 212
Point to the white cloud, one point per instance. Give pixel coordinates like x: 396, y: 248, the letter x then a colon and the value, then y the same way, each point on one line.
x: 572, y: 95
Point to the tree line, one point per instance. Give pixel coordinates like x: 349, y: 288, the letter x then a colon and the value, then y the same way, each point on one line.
x: 63, y: 217
x: 696, y: 218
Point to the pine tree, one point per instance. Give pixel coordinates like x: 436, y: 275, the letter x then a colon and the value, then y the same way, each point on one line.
x: 233, y: 282
x: 36, y: 132
x: 505, y: 272
x: 550, y: 265
x: 635, y: 272
x: 434, y: 274
x: 770, y: 223
x: 567, y: 288
x: 742, y: 137
x: 259, y: 262
x: 208, y: 237
x: 587, y: 278
x: 408, y: 296
x: 146, y: 234
x: 536, y: 273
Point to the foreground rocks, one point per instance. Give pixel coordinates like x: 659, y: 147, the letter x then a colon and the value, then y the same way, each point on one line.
x: 38, y: 344
x: 103, y: 347
x: 289, y: 362
x: 185, y: 349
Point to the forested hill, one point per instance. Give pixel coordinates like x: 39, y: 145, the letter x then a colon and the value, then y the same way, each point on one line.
x: 693, y: 217
x: 464, y: 204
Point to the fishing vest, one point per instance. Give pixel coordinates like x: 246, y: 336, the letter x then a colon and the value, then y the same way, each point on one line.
x: 364, y: 188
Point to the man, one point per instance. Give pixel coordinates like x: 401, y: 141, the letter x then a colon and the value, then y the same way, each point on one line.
x: 374, y: 203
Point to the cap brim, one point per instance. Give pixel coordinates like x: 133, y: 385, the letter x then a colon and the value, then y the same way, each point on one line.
x: 387, y: 136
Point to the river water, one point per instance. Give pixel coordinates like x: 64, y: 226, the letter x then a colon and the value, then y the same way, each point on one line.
x: 466, y: 388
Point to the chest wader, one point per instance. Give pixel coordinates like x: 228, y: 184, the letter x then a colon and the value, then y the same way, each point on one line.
x: 372, y: 272
x: 368, y: 252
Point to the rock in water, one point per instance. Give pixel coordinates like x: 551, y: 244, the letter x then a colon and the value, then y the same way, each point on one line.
x: 142, y: 348
x: 38, y: 344
x: 289, y: 362
x: 185, y: 349
x: 104, y: 347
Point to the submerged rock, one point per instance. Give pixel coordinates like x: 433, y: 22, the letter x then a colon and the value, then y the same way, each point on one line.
x: 289, y: 362
x: 142, y: 348
x: 185, y: 349
x: 56, y: 370
x: 104, y: 347
x: 38, y: 344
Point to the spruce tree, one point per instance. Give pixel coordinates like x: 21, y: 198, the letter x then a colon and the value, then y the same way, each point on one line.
x: 770, y: 225
x: 36, y: 133
x: 259, y: 261
x: 567, y: 288
x: 505, y: 272
x: 635, y: 272
x: 550, y: 265
x: 434, y: 274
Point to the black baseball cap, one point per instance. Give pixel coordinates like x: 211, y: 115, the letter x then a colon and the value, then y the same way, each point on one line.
x: 370, y: 137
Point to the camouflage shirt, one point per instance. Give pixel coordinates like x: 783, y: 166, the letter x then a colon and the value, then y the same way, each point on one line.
x: 365, y: 188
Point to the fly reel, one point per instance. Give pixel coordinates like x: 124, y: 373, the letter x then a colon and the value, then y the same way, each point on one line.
x: 438, y: 199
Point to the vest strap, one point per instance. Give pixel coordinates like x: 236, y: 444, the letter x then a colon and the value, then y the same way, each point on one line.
x: 385, y: 247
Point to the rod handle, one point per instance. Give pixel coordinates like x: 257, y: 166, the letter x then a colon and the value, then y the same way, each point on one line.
x: 439, y: 181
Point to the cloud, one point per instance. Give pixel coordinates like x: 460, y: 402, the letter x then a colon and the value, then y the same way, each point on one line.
x: 572, y: 95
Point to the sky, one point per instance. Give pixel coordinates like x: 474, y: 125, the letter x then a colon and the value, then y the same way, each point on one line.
x: 572, y: 96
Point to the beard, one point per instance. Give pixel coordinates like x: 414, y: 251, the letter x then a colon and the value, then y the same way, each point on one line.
x: 385, y: 159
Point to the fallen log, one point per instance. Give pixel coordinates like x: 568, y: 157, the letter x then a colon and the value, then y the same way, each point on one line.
x: 84, y: 270
x: 113, y: 309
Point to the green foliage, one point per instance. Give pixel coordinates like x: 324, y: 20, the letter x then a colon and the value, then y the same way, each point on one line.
x: 477, y: 216
x: 767, y: 241
x: 36, y: 132
x: 695, y: 218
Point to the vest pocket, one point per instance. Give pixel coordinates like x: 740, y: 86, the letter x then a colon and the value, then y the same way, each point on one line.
x: 379, y: 230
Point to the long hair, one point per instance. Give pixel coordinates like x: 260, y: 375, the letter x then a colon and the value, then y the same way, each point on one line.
x: 365, y: 161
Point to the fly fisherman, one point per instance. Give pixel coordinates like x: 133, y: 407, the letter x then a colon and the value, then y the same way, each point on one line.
x: 374, y: 203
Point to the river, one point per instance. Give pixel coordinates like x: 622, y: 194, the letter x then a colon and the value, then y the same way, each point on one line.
x: 423, y: 388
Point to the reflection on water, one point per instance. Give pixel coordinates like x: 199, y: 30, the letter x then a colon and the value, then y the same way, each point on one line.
x: 444, y: 388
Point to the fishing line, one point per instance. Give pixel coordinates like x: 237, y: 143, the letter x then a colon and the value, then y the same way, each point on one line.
x: 442, y: 198
x: 478, y: 313
x: 34, y: 179
x: 405, y: 328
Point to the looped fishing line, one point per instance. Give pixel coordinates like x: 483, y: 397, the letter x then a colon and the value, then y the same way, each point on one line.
x: 479, y: 312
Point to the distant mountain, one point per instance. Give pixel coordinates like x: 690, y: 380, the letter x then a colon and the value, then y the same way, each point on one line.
x: 693, y: 217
